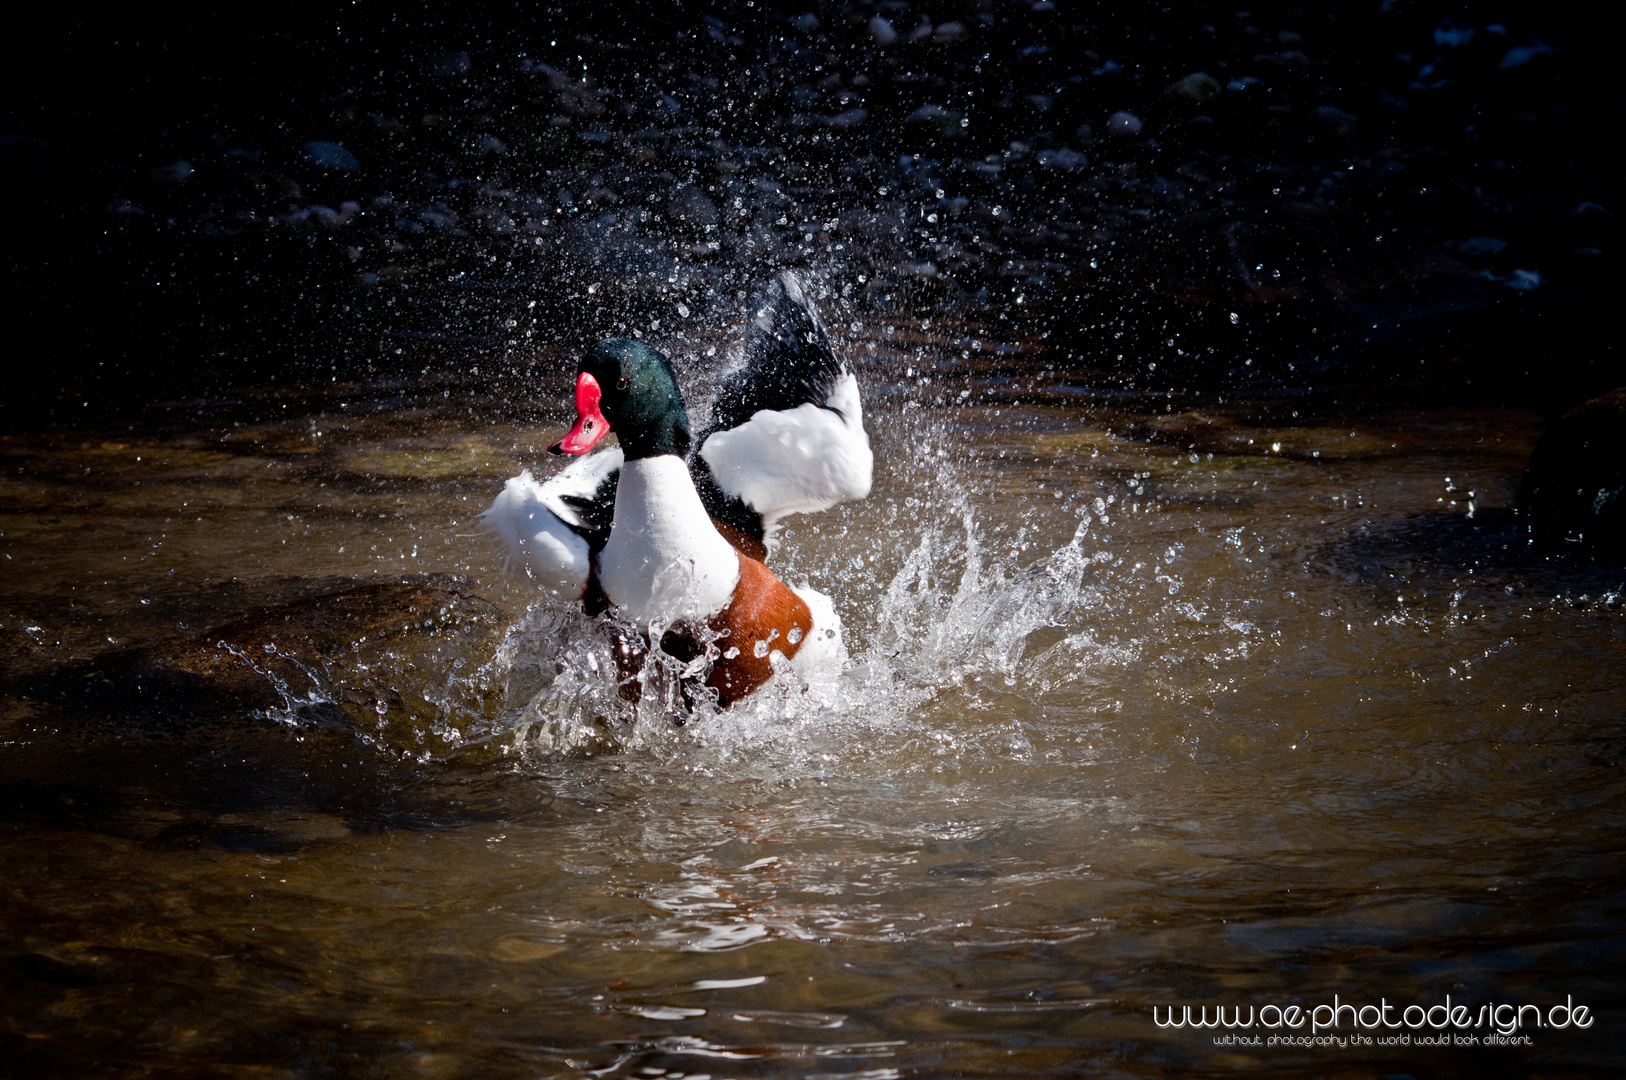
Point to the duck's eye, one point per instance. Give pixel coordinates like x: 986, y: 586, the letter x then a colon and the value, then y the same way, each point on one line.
x: 621, y: 383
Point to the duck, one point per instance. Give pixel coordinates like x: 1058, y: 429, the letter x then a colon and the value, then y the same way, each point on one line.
x: 670, y: 531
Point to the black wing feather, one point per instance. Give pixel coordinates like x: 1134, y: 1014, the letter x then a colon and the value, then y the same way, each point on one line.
x: 584, y: 502
x: 596, y: 513
x: 787, y: 359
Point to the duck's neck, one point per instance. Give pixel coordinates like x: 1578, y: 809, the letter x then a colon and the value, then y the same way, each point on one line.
x: 664, y: 559
x: 656, y: 430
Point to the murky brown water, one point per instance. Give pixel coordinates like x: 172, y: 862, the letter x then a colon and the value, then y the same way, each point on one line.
x: 1153, y: 702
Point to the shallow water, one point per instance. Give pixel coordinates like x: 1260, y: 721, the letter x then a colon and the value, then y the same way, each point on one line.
x: 1152, y: 701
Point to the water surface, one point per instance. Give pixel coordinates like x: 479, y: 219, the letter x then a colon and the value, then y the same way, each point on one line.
x: 1154, y: 699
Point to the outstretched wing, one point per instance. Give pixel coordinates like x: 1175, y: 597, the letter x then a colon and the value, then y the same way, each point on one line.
x: 787, y: 424
x: 582, y: 494
x: 550, y: 530
x: 787, y: 360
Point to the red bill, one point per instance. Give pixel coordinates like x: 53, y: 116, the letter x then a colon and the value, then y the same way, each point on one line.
x: 590, y: 423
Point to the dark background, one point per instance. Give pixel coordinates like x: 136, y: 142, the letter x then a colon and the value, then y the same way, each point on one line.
x: 169, y: 230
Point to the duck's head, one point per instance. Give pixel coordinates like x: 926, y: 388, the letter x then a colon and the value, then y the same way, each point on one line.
x: 625, y: 386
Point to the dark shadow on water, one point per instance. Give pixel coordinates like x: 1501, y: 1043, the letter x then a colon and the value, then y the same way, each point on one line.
x: 132, y: 747
x: 1489, y: 552
x: 249, y: 787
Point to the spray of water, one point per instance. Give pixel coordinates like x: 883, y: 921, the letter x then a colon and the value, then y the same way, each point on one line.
x: 950, y: 617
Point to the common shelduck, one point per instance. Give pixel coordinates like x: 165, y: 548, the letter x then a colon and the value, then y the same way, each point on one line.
x: 671, y: 531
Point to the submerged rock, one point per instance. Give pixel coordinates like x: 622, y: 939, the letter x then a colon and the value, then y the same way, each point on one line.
x: 452, y: 64
x: 1342, y: 123
x: 1520, y: 55
x: 851, y: 118
x: 882, y: 31
x: 178, y: 173
x: 1572, y: 493
x: 1124, y: 123
x: 689, y: 204
x: 947, y: 121
x: 1199, y: 86
x: 276, y: 659
x: 330, y: 155
x: 1064, y: 158
x: 1482, y: 245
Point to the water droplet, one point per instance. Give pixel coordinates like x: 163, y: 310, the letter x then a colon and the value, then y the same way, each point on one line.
x: 760, y: 649
x: 795, y: 635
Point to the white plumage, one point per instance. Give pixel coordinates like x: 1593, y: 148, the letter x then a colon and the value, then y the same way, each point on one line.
x: 797, y: 461
x: 664, y: 559
x: 823, y: 654
x: 536, y: 526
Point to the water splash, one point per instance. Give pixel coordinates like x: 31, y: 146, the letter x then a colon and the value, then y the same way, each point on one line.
x: 952, y: 619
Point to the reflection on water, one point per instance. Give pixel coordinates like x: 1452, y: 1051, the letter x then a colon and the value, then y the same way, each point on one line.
x: 1150, y: 701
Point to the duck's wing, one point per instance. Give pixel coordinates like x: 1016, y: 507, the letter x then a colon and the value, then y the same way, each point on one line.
x: 787, y: 424
x: 550, y: 530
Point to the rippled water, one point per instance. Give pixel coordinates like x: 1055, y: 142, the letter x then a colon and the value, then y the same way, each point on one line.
x: 1152, y: 700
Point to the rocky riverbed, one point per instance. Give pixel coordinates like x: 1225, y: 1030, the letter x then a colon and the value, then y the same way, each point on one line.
x: 1161, y: 199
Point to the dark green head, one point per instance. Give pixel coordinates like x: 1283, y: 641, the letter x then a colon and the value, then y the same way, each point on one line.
x: 625, y: 386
